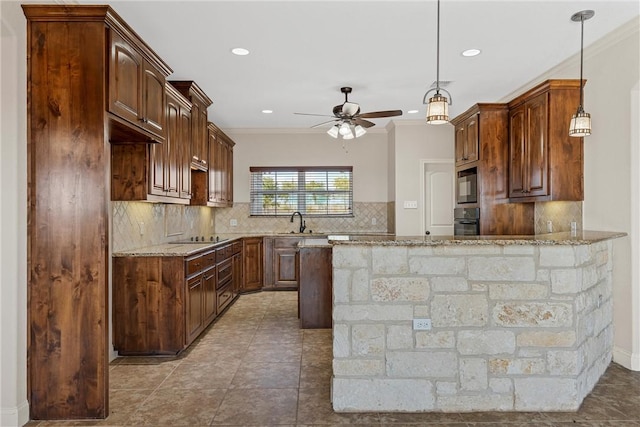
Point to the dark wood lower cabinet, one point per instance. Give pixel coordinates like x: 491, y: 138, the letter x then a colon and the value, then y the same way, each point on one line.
x: 315, y: 295
x: 252, y: 264
x: 162, y: 303
x: 281, y: 263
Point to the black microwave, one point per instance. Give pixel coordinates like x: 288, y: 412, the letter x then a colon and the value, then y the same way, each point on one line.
x: 467, y: 188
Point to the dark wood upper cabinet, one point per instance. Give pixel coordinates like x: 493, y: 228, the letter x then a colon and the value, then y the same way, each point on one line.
x: 214, y: 187
x: 466, y: 140
x: 199, y: 150
x: 545, y: 163
x: 136, y: 86
x: 157, y: 172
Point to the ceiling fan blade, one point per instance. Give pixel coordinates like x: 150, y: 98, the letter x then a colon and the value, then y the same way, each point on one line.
x: 363, y: 123
x: 350, y: 109
x: 379, y: 114
x: 309, y: 114
x: 324, y: 123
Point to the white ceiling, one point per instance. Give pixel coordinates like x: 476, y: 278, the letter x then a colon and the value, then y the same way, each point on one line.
x: 302, y: 52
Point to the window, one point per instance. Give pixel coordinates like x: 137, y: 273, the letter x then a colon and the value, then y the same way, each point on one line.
x: 319, y: 191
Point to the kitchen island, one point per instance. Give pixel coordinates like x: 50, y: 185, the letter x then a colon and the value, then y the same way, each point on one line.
x: 517, y: 323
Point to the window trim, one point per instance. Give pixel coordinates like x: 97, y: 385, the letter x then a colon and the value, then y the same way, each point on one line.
x: 302, y: 192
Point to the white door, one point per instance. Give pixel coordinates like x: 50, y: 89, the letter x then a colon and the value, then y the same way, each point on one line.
x: 439, y: 198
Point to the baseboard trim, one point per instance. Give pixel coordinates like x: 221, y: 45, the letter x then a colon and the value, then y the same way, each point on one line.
x: 16, y: 416
x: 628, y: 360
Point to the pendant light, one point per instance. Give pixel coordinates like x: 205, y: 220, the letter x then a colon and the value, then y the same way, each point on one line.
x: 438, y: 105
x: 581, y: 121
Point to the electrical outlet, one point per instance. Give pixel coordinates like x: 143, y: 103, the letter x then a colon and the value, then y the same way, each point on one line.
x: 374, y: 221
x: 421, y: 324
x: 233, y: 222
x: 410, y: 204
x: 141, y: 226
x: 549, y: 226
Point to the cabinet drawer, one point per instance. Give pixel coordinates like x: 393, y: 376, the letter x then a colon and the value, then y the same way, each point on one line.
x: 225, y: 271
x: 224, y: 252
x: 225, y: 295
x: 237, y: 247
x: 199, y: 262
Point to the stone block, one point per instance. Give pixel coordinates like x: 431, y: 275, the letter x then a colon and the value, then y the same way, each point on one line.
x: 453, y: 266
x: 358, y: 367
x: 341, y: 285
x: 501, y: 385
x: 479, y: 287
x: 449, y: 284
x: 420, y: 364
x: 563, y: 362
x: 516, y: 366
x: 446, y: 388
x: 374, y: 312
x: 557, y: 256
x: 351, y: 256
x: 517, y: 269
x: 341, y: 341
x: 566, y: 281
x: 517, y: 291
x: 475, y: 403
x: 546, y: 339
x: 459, y: 310
x: 470, y: 250
x: 360, y: 285
x: 367, y: 340
x: 479, y: 342
x: 540, y: 314
x: 441, y: 339
x: 518, y: 250
x: 546, y: 394
x: 399, y: 337
x: 390, y: 289
x: 542, y: 275
x: 420, y: 251
x: 389, y: 260
x: 473, y: 374
x: 421, y: 311
x: 589, y: 276
x: 382, y: 394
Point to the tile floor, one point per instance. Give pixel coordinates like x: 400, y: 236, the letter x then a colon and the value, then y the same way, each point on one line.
x: 255, y: 367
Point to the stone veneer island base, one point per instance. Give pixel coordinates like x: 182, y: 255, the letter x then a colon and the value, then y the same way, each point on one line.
x: 518, y: 323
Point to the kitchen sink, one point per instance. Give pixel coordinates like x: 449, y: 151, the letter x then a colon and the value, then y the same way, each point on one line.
x: 200, y: 242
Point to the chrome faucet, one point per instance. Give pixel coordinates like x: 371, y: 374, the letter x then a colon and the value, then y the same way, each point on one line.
x: 303, y: 224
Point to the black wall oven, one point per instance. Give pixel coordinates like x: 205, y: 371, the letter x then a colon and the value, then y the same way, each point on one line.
x: 466, y: 221
x: 467, y: 186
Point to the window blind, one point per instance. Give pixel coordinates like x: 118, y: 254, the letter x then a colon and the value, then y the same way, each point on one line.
x: 312, y: 191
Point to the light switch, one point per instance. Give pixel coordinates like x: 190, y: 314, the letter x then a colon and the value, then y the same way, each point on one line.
x: 410, y: 204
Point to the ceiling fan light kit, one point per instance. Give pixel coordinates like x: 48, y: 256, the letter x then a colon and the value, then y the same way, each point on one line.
x: 438, y: 104
x: 581, y: 122
x: 347, y: 121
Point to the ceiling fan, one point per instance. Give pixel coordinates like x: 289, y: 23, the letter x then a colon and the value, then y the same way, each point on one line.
x: 347, y: 121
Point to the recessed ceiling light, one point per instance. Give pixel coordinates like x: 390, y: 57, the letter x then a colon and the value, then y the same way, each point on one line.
x: 412, y: 111
x: 471, y: 52
x: 240, y: 51
x: 267, y: 111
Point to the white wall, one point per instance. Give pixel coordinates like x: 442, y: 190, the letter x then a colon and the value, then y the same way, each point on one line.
x: 14, y: 409
x: 305, y: 147
x: 612, y: 71
x: 416, y: 141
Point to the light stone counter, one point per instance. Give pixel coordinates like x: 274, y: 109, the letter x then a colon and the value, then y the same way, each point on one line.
x: 518, y: 323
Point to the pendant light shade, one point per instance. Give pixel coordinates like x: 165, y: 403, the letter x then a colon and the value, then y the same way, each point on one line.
x: 333, y: 131
x: 438, y: 104
x: 581, y: 122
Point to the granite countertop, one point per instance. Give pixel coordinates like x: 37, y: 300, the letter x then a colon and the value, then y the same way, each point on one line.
x: 565, y: 238
x: 381, y: 239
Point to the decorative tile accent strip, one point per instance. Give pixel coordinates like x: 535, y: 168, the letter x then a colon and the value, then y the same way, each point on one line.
x: 514, y: 328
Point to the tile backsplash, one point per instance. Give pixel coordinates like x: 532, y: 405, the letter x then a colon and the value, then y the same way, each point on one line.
x: 369, y: 217
x: 139, y: 224
x: 561, y: 214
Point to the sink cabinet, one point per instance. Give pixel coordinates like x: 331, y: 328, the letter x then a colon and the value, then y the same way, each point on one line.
x: 281, y: 263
